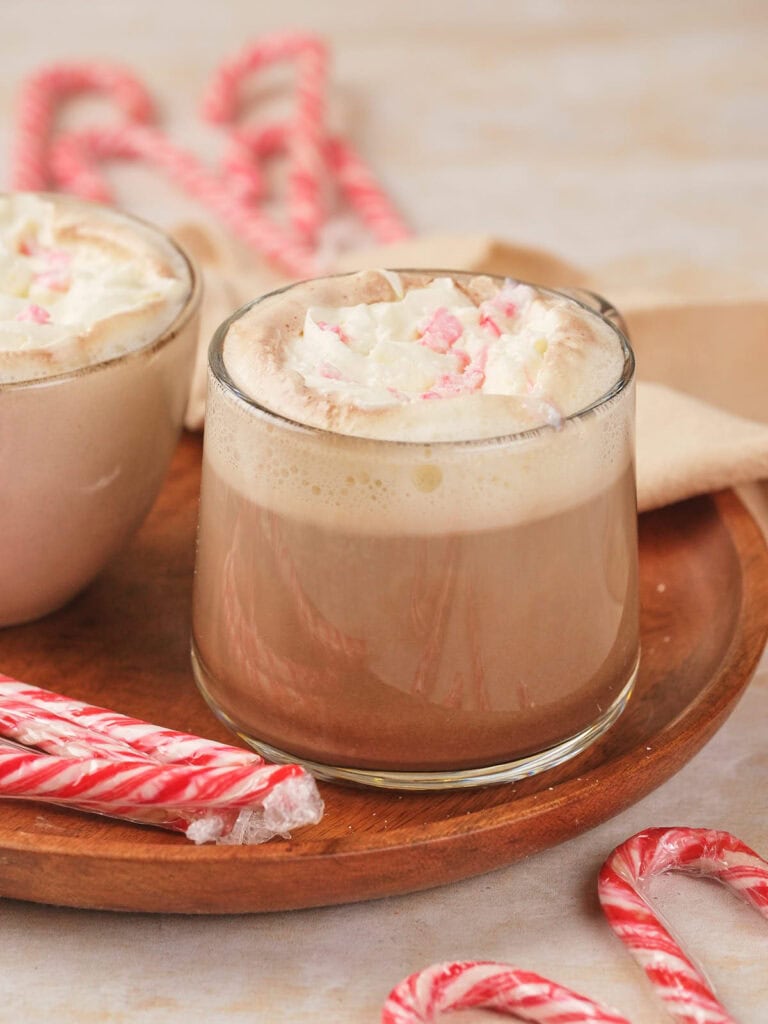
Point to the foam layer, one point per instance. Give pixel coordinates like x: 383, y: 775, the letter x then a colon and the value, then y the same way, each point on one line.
x: 80, y: 284
x: 420, y: 358
x: 368, y: 485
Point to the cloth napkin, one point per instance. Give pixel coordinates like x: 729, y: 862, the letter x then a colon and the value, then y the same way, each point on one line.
x: 702, y: 366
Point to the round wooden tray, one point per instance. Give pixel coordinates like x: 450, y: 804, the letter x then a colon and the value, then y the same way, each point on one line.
x: 124, y: 644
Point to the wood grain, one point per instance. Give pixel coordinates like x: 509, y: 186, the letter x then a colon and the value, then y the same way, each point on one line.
x: 124, y: 643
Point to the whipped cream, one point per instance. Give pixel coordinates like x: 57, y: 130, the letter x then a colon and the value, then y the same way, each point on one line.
x: 343, y: 478
x: 422, y: 357
x: 80, y: 284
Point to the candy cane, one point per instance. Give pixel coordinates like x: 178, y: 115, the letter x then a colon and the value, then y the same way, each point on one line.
x: 73, y: 156
x: 90, y: 736
x: 106, y: 733
x: 306, y: 137
x: 424, y: 996
x: 33, y: 726
x: 276, y: 798
x: 365, y: 194
x: 104, y: 783
x: 71, y: 161
x: 310, y: 150
x: 248, y: 146
x: 677, y: 981
x: 43, y: 93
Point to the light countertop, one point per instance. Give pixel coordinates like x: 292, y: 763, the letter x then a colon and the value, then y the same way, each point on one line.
x: 629, y: 139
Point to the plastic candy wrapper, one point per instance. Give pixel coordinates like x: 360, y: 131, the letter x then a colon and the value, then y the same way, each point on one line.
x: 423, y: 997
x: 685, y: 992
x: 623, y: 881
x: 99, y: 761
x: 60, y: 725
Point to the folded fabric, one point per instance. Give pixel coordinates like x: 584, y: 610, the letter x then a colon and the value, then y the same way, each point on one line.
x: 702, y: 366
x: 687, y: 447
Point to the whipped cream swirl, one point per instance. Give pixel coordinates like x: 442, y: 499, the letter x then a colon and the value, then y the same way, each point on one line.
x: 80, y: 284
x: 422, y: 357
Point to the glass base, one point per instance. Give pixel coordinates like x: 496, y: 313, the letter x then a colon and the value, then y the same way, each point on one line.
x: 511, y: 771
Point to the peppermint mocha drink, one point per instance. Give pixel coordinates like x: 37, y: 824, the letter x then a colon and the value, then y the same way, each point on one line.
x: 98, y: 326
x: 417, y: 558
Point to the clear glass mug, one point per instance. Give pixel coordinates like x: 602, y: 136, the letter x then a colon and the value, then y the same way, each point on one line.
x: 83, y: 455
x: 436, y: 615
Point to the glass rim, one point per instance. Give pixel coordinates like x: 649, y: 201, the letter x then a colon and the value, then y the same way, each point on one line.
x: 184, y: 314
x: 220, y: 373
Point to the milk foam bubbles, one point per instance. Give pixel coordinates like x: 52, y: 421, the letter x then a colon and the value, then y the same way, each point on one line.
x: 479, y: 478
x: 417, y: 551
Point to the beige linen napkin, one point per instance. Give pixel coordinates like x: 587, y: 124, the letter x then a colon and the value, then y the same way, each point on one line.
x: 702, y: 367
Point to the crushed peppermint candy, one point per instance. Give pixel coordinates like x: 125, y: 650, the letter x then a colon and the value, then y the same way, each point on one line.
x: 413, y: 356
x: 440, y: 331
x: 434, y: 342
x: 33, y: 314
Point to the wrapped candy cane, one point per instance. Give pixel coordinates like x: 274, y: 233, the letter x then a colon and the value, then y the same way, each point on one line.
x: 682, y: 987
x: 85, y: 735
x: 422, y: 997
x: 45, y: 718
x: 136, y: 783
x: 687, y: 996
x: 282, y: 796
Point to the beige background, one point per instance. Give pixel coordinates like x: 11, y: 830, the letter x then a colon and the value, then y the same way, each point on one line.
x: 631, y: 139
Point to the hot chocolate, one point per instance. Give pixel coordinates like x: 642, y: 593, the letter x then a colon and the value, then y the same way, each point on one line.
x: 417, y: 548
x: 97, y: 334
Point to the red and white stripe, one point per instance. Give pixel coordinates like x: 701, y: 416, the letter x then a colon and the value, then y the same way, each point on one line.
x: 424, y: 996
x: 680, y: 984
x: 687, y: 996
x: 238, y: 804
x: 100, y: 761
x: 249, y: 146
x: 74, y: 157
x: 48, y: 719
x: 365, y: 194
x: 40, y: 99
x: 105, y: 783
x: 313, y: 154
x: 303, y: 137
x: 71, y: 161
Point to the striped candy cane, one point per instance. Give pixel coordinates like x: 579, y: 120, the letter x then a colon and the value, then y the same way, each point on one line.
x: 104, y: 783
x: 423, y: 997
x: 358, y: 184
x: 75, y: 155
x: 681, y: 986
x: 51, y: 718
x: 305, y: 133
x: 312, y: 153
x: 89, y: 741
x: 253, y: 802
x: 39, y: 101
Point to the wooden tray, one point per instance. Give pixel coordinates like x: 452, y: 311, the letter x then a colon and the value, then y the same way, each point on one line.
x: 124, y: 644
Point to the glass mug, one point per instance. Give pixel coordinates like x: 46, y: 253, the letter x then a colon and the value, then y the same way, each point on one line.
x: 84, y: 451
x: 427, y: 615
